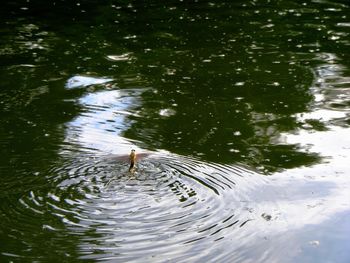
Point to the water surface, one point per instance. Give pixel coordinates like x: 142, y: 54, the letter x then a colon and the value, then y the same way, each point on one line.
x: 241, y: 111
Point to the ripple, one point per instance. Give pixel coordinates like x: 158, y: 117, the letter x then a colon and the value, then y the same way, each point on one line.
x: 171, y: 205
x: 122, y: 57
x: 332, y: 83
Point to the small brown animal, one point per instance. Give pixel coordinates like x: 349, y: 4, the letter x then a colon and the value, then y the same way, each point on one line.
x: 132, y: 158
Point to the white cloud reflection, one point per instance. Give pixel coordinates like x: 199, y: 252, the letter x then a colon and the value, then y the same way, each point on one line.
x: 103, y: 120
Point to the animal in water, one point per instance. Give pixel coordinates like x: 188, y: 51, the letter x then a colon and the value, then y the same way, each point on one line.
x: 132, y: 158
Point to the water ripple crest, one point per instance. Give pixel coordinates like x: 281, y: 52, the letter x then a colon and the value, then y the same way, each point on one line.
x: 170, y: 207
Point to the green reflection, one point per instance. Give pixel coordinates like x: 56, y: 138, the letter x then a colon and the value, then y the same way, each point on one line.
x: 222, y: 80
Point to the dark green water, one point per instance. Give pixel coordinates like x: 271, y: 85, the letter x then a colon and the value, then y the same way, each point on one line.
x: 241, y: 106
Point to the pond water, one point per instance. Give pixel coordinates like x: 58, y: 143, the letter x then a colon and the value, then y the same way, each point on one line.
x: 239, y: 111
